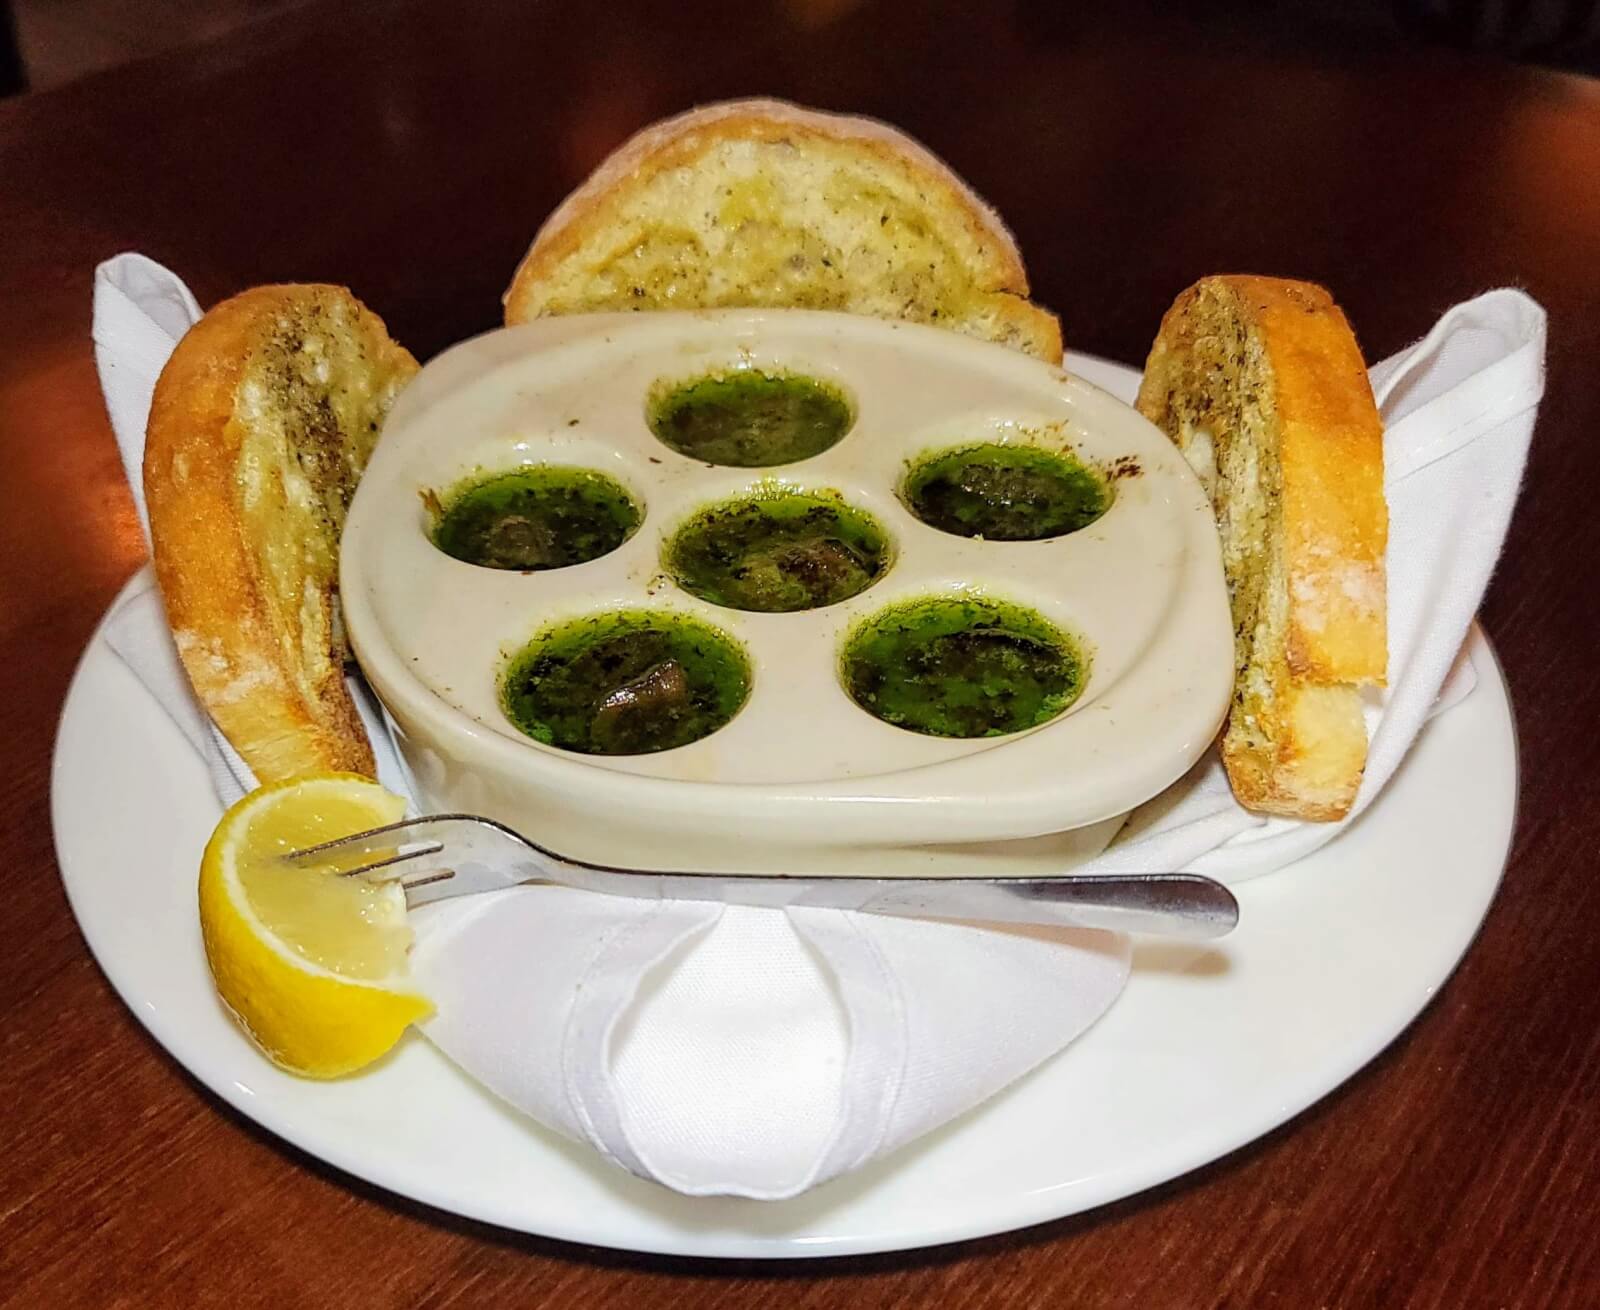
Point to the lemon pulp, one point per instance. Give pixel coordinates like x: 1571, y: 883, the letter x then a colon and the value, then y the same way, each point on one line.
x: 350, y: 925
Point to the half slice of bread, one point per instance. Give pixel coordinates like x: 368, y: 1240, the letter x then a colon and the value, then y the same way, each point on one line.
x: 1261, y: 384
x: 761, y: 203
x: 262, y: 422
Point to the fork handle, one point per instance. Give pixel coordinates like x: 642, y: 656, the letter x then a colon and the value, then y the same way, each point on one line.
x: 1169, y: 904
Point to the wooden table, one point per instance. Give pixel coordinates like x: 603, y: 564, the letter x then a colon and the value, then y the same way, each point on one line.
x: 410, y: 149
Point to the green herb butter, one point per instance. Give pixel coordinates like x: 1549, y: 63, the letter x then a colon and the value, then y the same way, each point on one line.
x: 1005, y: 493
x: 962, y: 667
x: 778, y: 552
x: 628, y: 683
x: 749, y: 419
x: 539, y: 517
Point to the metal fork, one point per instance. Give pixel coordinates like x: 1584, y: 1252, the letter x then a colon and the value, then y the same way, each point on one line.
x: 447, y: 855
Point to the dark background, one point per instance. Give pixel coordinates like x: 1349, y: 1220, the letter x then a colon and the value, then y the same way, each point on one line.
x: 46, y: 43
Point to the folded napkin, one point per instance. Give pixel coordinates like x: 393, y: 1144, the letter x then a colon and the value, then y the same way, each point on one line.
x: 753, y: 1052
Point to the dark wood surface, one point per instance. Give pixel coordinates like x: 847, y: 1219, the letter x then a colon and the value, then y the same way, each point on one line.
x: 410, y: 149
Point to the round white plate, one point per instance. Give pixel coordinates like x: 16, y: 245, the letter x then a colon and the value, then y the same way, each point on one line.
x: 1209, y: 1047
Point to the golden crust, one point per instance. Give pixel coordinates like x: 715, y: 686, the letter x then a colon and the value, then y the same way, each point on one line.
x: 1270, y: 367
x: 269, y: 674
x: 1336, y: 522
x: 1320, y: 750
x: 994, y: 262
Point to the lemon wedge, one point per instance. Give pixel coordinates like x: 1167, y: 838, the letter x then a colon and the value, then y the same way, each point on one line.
x: 311, y: 964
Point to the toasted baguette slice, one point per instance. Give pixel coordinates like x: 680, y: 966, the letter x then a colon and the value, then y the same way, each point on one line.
x: 1262, y: 385
x: 262, y: 422
x: 761, y: 203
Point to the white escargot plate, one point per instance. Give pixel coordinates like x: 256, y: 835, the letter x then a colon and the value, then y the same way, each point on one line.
x: 801, y: 779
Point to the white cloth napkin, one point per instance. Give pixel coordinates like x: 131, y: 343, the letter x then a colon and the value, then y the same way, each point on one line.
x: 759, y: 1052
x: 1458, y: 410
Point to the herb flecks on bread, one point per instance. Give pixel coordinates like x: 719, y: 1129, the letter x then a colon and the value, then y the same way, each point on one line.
x: 262, y: 422
x: 759, y: 203
x: 1261, y: 384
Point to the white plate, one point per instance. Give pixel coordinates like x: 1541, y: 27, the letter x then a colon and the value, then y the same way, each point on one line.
x: 1207, y: 1049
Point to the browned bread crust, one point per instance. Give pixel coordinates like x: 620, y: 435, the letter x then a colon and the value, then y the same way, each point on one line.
x: 1261, y: 383
x: 763, y: 203
x: 261, y: 424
